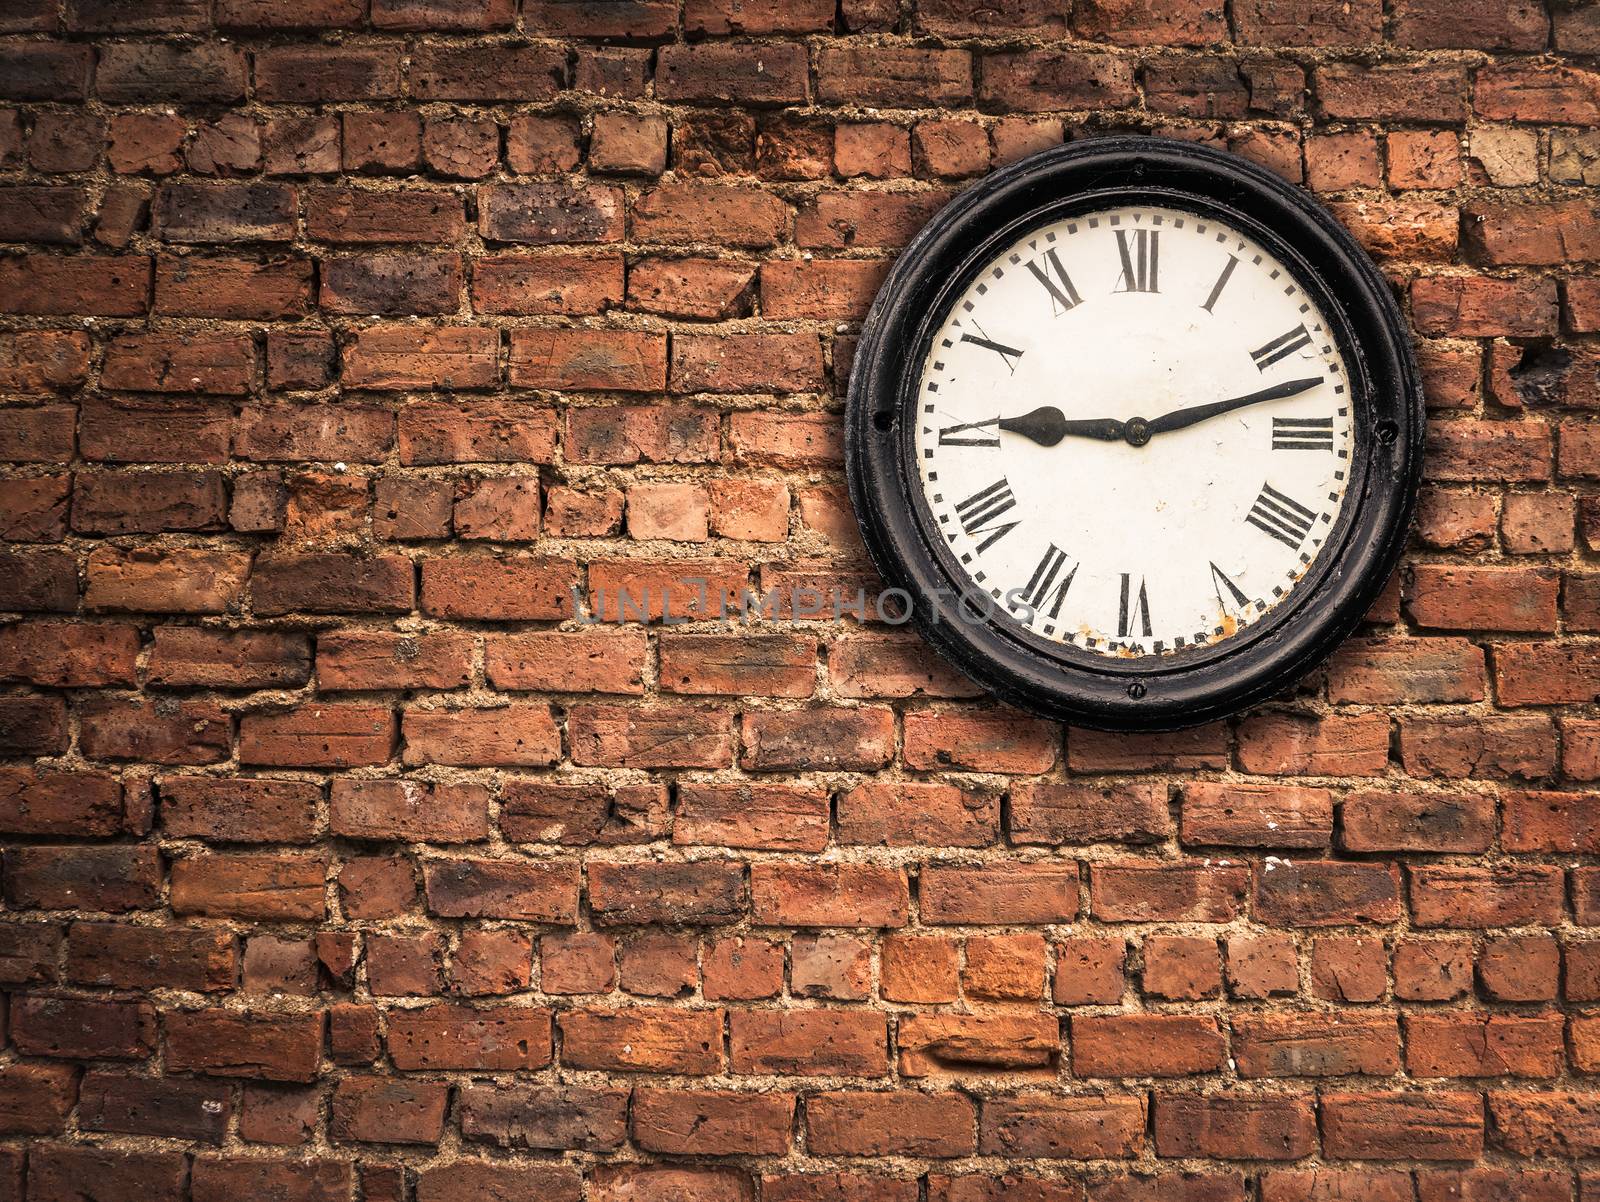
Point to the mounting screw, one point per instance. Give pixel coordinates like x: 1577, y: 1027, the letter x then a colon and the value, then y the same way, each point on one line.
x: 1136, y: 690
x: 1387, y: 433
x: 884, y: 420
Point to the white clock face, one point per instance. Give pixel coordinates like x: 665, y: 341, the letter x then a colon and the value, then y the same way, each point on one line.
x: 1134, y: 432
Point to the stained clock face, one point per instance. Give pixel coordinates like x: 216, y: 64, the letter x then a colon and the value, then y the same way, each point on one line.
x: 1136, y: 427
x: 1134, y: 432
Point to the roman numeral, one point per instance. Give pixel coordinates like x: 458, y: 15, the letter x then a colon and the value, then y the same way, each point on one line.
x: 1140, y: 250
x: 1284, y: 518
x: 1220, y: 581
x: 971, y: 434
x: 1038, y: 591
x: 1222, y: 282
x: 1063, y: 296
x: 978, y: 513
x: 1008, y: 354
x: 1135, y: 607
x: 1302, y: 434
x: 1281, y: 347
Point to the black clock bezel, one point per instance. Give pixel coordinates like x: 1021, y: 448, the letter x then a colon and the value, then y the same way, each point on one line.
x: 1153, y: 692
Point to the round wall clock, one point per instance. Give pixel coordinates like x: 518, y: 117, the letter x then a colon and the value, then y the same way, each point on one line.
x: 1136, y: 426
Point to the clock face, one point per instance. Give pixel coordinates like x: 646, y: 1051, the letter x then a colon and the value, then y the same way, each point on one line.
x: 1133, y: 432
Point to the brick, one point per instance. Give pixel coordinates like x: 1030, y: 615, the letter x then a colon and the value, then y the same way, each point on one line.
x: 507, y: 736
x: 1265, y: 1128
x: 712, y: 72
x: 225, y: 1043
x: 713, y: 1122
x: 1032, y: 894
x: 144, y: 72
x: 544, y: 1117
x: 1478, y: 306
x: 880, y: 1124
x: 167, y: 1107
x: 391, y: 284
x: 492, y: 72
x: 527, y: 890
x: 35, y: 1099
x: 547, y: 213
x: 483, y: 1039
x: 846, y: 1043
x: 1181, y: 967
x: 100, y: 286
x: 1134, y: 892
x: 679, y: 212
x: 1316, y: 1045
x: 1436, y: 1125
x: 1300, y: 744
x: 287, y: 886
x: 859, y: 739
x: 83, y: 1029
x: 916, y: 813
x: 313, y: 74
x: 1034, y: 1124
x: 112, y: 879
x: 1380, y: 821
x: 1443, y: 896
x: 775, y: 817
x: 1326, y: 893
x: 318, y: 736
x: 1145, y: 1045
x: 557, y: 283
x: 657, y: 737
x: 1483, y: 1045
x: 1245, y: 815
x: 588, y: 360
x: 1397, y: 671
x: 116, y: 1176
x: 216, y: 1180
x: 643, y: 1039
x: 828, y: 895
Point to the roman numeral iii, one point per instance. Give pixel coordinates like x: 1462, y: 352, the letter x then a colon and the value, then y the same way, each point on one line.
x: 1302, y: 434
x: 1038, y: 592
x: 1135, y: 608
x: 1140, y: 253
x: 1281, y: 347
x: 1283, y: 517
x: 1056, y: 281
x: 980, y: 511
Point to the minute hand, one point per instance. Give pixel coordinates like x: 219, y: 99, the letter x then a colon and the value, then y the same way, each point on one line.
x: 1179, y: 418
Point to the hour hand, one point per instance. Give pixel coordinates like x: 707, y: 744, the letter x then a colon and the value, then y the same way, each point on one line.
x: 1048, y: 425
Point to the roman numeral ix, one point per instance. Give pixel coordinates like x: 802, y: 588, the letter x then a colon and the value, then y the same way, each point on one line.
x: 1056, y: 281
x: 1039, y: 592
x: 1140, y: 253
x: 1283, y: 517
x: 971, y: 434
x: 1302, y: 434
x: 980, y: 511
x: 1281, y: 347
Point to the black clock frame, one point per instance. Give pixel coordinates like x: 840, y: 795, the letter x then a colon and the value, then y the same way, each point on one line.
x: 1153, y: 692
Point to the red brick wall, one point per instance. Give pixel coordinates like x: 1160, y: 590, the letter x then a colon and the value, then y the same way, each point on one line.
x: 342, y: 341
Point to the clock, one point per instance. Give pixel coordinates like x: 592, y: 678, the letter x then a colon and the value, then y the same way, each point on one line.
x: 1134, y: 433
